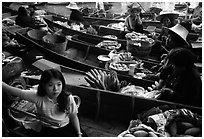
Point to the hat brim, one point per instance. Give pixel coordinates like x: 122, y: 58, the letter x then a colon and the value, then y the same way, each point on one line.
x: 72, y: 8
x: 159, y: 17
x: 169, y: 29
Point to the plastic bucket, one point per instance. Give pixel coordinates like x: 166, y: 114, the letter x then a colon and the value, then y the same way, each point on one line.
x: 55, y: 43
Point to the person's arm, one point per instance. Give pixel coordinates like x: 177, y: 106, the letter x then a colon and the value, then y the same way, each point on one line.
x: 75, y: 122
x: 10, y: 90
x: 29, y: 95
x: 73, y: 115
x: 127, y: 23
x: 139, y: 20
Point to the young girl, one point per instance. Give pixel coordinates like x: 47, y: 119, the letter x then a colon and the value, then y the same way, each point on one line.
x: 52, y: 103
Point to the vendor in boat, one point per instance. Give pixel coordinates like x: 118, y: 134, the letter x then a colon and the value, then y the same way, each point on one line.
x: 53, y: 104
x: 76, y: 15
x: 24, y: 19
x: 196, y: 16
x: 177, y: 38
x: 168, y: 19
x: 183, y: 83
x: 133, y: 21
x: 34, y: 11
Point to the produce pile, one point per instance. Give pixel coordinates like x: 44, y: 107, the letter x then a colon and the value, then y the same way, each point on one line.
x: 109, y: 81
x: 165, y: 123
x: 118, y: 67
x: 119, y: 26
x: 139, y: 44
x: 108, y: 44
x: 139, y: 91
x: 138, y: 39
x: 124, y: 59
x: 91, y: 30
x: 78, y: 27
x: 8, y: 22
x: 62, y: 23
x: 111, y: 37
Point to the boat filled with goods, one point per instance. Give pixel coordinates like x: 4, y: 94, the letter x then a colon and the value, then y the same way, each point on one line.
x: 107, y: 70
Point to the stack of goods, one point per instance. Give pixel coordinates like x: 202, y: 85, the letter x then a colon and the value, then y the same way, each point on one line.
x: 165, y: 123
x: 116, y: 62
x: 62, y: 23
x: 108, y: 44
x: 119, y: 67
x: 111, y: 37
x: 118, y: 26
x: 91, y: 30
x: 139, y: 91
x: 78, y: 27
x: 139, y: 44
x: 8, y: 22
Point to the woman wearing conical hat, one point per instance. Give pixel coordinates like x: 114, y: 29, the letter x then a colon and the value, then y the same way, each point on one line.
x: 76, y: 15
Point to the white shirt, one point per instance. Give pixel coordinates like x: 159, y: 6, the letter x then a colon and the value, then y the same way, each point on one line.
x: 48, y: 110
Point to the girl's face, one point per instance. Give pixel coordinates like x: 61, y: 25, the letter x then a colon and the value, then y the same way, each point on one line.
x: 53, y: 88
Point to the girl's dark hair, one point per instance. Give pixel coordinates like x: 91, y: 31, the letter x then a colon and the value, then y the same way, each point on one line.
x: 182, y: 57
x: 46, y: 76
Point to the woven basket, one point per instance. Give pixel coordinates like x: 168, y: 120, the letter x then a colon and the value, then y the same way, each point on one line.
x: 137, y: 51
x: 55, y: 43
x: 36, y: 34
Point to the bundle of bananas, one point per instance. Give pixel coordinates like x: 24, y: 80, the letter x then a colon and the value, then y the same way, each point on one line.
x: 106, y: 81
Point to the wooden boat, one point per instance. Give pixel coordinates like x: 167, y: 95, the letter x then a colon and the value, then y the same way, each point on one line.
x: 101, y: 105
x: 77, y: 55
x: 106, y: 21
x: 154, y: 55
x: 98, y: 106
x: 95, y: 39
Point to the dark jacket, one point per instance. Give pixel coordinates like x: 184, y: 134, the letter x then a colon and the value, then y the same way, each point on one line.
x: 76, y: 16
x: 187, y: 88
